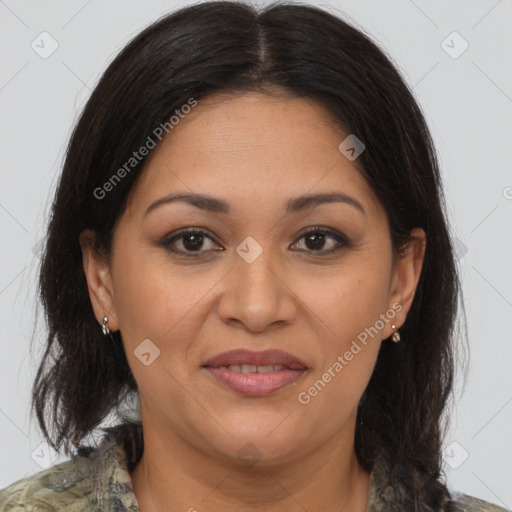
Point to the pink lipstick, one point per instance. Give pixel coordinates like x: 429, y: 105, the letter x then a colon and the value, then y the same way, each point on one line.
x: 255, y: 374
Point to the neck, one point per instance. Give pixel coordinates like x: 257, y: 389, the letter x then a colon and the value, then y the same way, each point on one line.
x: 174, y: 476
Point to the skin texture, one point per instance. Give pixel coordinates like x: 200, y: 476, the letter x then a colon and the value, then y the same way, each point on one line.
x: 255, y: 152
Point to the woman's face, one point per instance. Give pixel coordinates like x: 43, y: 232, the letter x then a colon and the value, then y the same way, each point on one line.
x: 253, y: 280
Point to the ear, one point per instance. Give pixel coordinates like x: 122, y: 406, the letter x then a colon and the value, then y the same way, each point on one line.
x: 405, y: 277
x: 99, y: 281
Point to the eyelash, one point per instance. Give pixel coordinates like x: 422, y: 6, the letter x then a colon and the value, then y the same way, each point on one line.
x: 341, y: 239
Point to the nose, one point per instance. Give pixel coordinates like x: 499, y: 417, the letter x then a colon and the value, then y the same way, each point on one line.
x: 257, y: 295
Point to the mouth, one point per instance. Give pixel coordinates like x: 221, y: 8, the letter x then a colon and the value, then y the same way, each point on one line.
x: 255, y: 374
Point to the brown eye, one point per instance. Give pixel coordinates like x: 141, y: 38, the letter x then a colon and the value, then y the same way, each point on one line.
x: 316, y: 240
x: 192, y: 242
x: 189, y: 242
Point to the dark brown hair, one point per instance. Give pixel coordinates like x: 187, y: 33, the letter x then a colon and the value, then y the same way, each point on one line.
x: 231, y: 47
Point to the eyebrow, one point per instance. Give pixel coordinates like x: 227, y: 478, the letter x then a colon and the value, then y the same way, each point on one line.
x: 295, y: 205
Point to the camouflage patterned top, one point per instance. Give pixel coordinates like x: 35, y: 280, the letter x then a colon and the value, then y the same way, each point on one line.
x: 98, y: 479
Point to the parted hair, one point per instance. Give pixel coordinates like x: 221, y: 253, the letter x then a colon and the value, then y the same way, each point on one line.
x: 235, y: 47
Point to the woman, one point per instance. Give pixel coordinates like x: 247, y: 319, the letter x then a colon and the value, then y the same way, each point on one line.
x: 248, y: 238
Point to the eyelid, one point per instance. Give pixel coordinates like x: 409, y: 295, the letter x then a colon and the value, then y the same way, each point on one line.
x: 169, y: 240
x: 323, y: 229
x: 338, y: 236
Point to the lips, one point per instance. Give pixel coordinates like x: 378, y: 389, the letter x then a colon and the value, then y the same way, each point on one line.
x: 255, y: 374
x: 259, y: 359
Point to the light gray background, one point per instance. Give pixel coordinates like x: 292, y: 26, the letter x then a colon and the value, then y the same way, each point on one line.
x: 468, y: 104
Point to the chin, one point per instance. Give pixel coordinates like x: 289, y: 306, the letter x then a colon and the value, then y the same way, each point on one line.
x: 262, y: 447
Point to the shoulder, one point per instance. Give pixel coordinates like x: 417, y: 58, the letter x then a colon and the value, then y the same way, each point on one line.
x: 64, y: 486
x: 95, y: 478
x: 388, y: 492
x: 467, y: 503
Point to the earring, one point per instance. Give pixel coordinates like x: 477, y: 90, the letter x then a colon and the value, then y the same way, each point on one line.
x: 104, y: 327
x: 396, y: 335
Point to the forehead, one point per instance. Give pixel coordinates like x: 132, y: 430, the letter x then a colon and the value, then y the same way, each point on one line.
x: 253, y: 147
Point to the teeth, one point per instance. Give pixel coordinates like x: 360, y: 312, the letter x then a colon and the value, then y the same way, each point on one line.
x: 251, y: 368
x: 266, y: 369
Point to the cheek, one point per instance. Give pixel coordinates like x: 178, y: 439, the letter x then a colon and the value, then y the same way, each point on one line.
x: 332, y: 394
x: 351, y: 307
x: 156, y: 299
x: 167, y: 305
x: 349, y: 303
x: 160, y: 311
